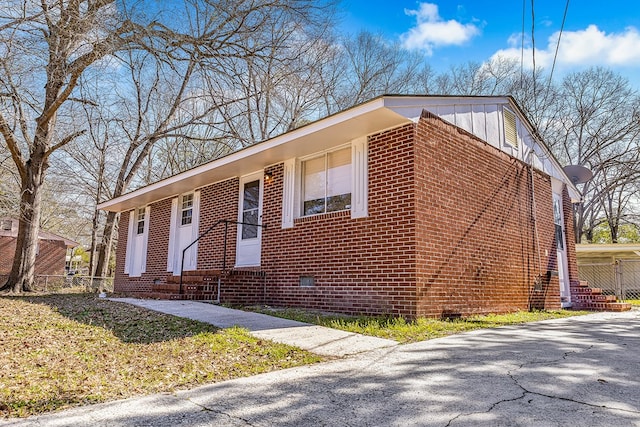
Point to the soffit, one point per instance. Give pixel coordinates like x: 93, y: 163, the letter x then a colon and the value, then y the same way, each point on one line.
x: 340, y: 128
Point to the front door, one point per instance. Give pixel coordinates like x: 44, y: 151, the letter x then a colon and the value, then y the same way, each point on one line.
x: 561, y: 248
x: 249, y: 244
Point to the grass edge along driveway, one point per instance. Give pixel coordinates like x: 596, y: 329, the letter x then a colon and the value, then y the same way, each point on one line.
x: 60, y: 351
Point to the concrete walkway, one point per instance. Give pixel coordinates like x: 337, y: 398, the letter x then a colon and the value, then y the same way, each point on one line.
x: 580, y: 371
x: 317, y: 339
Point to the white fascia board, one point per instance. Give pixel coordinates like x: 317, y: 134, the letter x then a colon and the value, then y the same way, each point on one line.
x: 323, y: 134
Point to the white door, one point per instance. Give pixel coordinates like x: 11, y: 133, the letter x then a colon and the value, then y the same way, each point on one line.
x: 249, y: 244
x: 138, y: 254
x: 185, y: 215
x: 561, y: 248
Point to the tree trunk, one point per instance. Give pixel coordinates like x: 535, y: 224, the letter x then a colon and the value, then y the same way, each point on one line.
x: 578, y: 221
x: 22, y: 276
x: 104, y: 247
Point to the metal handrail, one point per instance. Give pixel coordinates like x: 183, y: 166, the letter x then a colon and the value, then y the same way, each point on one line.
x: 226, y: 223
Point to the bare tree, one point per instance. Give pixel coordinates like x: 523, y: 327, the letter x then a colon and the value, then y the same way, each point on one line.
x: 50, y: 45
x: 373, y: 66
x: 597, y: 125
x: 53, y: 44
x: 184, y: 109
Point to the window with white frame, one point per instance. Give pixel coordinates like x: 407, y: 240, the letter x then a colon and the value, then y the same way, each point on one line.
x: 6, y: 224
x: 140, y: 221
x: 186, y: 209
x: 326, y: 182
x: 557, y: 219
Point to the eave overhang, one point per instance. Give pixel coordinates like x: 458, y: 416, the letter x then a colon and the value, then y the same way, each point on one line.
x: 364, y: 119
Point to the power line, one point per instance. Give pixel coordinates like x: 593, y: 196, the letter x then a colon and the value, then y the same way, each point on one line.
x: 524, y: 7
x: 533, y: 45
x: 555, y: 56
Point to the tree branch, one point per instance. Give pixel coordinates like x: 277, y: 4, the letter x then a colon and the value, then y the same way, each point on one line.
x: 12, y: 144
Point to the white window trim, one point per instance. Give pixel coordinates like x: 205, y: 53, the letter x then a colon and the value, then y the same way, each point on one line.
x: 288, y: 193
x: 130, y: 235
x: 360, y: 178
x: 292, y: 182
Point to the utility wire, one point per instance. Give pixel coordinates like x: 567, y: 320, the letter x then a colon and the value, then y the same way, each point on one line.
x: 555, y: 56
x: 533, y: 46
x: 524, y: 8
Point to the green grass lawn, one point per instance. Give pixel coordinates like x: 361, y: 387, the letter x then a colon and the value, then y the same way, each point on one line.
x: 406, y: 331
x: 60, y: 351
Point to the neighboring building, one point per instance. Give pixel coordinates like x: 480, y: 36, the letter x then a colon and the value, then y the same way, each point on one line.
x: 405, y: 205
x: 51, y: 250
x: 615, y: 268
x: 607, y: 253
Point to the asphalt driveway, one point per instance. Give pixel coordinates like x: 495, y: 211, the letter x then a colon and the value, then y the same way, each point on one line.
x: 580, y: 371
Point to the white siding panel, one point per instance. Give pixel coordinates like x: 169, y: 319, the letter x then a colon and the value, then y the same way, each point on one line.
x: 494, y: 132
x: 446, y: 112
x: 479, y: 121
x: 463, y: 117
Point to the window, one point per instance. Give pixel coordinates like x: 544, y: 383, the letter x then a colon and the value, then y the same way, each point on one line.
x: 140, y: 221
x: 6, y: 225
x: 326, y: 182
x: 187, y: 209
x: 250, y: 209
x: 557, y: 219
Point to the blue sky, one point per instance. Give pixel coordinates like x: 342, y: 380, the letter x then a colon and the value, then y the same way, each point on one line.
x: 603, y: 33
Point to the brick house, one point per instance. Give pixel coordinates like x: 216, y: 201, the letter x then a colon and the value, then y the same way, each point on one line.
x: 406, y: 205
x: 51, y: 251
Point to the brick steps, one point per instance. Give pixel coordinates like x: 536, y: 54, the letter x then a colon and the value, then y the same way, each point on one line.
x: 602, y: 306
x: 196, y: 276
x: 197, y: 285
x: 587, y: 298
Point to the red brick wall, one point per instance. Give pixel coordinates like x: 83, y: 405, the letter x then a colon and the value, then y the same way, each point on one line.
x: 218, y: 201
x: 7, y: 251
x: 51, y: 257
x: 450, y: 233
x: 157, y: 247
x: 364, y: 265
x: 49, y: 261
x: 476, y: 241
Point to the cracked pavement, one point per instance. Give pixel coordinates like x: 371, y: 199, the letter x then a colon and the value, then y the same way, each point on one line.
x: 580, y: 371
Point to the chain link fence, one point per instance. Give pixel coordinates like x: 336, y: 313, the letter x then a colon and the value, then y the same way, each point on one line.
x: 61, y: 283
x: 621, y: 278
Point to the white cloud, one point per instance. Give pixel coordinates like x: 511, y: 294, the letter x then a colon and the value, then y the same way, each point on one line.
x: 587, y: 47
x: 432, y: 31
